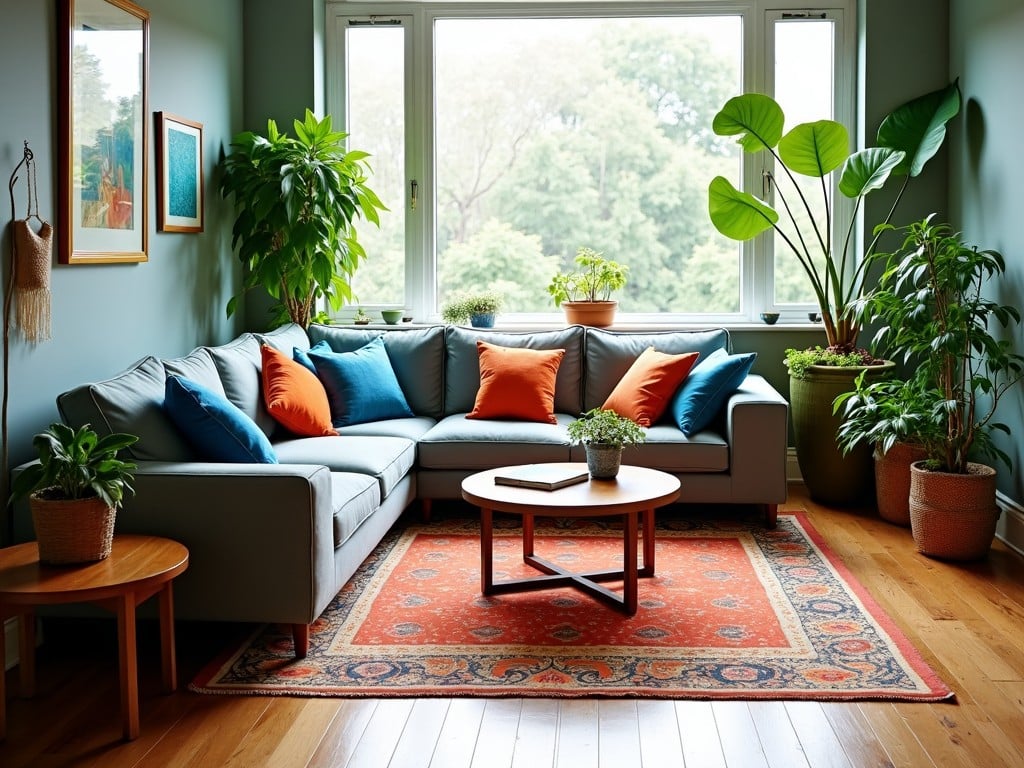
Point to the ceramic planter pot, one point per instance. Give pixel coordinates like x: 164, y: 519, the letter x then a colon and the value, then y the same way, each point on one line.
x: 831, y: 477
x: 483, y: 320
x: 953, y: 516
x: 596, y: 314
x: 603, y: 461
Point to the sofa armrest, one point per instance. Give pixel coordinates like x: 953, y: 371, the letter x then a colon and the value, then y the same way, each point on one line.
x: 260, y: 536
x: 757, y: 430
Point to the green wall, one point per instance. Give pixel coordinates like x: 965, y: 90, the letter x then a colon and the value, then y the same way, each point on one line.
x: 107, y: 316
x: 986, y: 200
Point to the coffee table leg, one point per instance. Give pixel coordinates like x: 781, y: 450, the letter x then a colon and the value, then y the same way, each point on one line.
x: 527, y: 536
x: 486, y: 551
x: 129, y: 665
x: 629, y: 569
x: 648, y: 533
x: 167, y: 654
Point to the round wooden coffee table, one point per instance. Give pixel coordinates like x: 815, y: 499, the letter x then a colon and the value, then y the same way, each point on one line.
x: 636, y: 492
x: 138, y: 568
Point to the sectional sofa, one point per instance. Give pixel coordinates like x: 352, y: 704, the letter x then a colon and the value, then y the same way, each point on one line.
x: 275, y: 542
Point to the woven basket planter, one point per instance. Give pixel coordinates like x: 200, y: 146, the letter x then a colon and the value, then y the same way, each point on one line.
x: 72, y: 531
x: 892, y: 481
x: 953, y: 516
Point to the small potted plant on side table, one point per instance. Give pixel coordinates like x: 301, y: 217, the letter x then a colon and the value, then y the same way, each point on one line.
x: 75, y: 491
x: 477, y: 308
x: 604, y: 435
x: 585, y: 293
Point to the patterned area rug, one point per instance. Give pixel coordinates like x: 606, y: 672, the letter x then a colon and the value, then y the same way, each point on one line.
x: 734, y: 611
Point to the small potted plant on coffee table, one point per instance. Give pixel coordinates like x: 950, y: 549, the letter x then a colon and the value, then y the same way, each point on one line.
x: 604, y: 434
x: 75, y: 491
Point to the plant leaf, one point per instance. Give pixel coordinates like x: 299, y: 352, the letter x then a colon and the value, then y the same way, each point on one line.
x: 868, y: 170
x: 738, y: 215
x: 756, y: 118
x: 815, y: 149
x: 919, y: 127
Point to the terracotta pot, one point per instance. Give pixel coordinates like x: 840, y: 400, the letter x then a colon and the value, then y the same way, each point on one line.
x: 603, y: 461
x: 953, y: 516
x: 72, y: 531
x: 597, y: 314
x: 892, y: 481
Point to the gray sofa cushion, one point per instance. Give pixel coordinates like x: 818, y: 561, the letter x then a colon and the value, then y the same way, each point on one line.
x: 460, y: 443
x: 133, y: 402
x: 197, y: 366
x: 411, y: 429
x: 670, y: 450
x: 239, y: 363
x: 417, y: 357
x: 388, y: 459
x: 285, y: 338
x: 355, y: 497
x: 609, y: 354
x: 462, y: 367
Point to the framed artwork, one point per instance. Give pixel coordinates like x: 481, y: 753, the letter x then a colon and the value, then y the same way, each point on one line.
x: 179, y: 174
x: 103, y: 52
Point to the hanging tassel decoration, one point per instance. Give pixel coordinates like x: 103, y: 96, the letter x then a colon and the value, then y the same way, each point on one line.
x: 33, y: 253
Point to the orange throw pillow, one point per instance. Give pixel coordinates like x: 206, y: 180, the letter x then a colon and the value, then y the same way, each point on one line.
x: 516, y: 383
x: 294, y: 396
x: 644, y: 392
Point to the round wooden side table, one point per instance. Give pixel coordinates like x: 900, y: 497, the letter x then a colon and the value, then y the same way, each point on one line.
x: 138, y: 568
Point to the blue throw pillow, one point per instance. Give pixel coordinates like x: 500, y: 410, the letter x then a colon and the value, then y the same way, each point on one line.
x: 301, y: 356
x: 705, y: 390
x: 216, y: 428
x: 361, y: 386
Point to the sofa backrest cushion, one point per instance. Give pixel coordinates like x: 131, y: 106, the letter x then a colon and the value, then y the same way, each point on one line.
x: 416, y: 354
x: 132, y: 402
x: 215, y: 427
x: 285, y: 337
x: 462, y: 364
x: 238, y: 363
x: 609, y: 355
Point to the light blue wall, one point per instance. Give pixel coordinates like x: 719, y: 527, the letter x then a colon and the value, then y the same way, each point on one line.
x: 107, y: 316
x: 986, y: 195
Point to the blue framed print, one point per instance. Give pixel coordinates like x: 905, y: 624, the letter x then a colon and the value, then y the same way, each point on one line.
x: 179, y: 174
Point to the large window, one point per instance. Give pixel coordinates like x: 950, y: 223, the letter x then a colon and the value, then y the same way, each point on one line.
x: 506, y: 138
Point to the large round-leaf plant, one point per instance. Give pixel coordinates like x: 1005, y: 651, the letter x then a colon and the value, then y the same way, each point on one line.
x: 907, y: 139
x: 296, y: 201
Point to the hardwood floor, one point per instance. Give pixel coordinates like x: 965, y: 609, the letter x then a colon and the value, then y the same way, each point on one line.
x: 967, y: 621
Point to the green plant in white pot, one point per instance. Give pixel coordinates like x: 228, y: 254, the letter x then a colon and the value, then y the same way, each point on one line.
x: 297, y: 200
x: 604, y: 434
x: 74, y: 491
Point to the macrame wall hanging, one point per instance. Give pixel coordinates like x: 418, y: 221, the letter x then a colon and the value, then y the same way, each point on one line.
x: 32, y: 249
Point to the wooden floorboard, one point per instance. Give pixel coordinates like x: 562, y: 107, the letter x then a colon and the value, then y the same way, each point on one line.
x: 966, y: 620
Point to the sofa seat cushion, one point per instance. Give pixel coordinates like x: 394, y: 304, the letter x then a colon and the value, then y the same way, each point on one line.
x: 457, y: 442
x: 669, y: 450
x: 411, y: 428
x: 354, y: 498
x: 388, y: 459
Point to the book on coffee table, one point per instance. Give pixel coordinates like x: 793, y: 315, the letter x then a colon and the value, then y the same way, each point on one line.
x: 546, y: 477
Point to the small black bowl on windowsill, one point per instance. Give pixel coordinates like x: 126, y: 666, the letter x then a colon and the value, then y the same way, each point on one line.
x: 814, y: 317
x: 770, y: 318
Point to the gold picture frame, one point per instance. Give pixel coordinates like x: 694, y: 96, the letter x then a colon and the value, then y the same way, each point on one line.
x: 179, y: 174
x: 103, y: 159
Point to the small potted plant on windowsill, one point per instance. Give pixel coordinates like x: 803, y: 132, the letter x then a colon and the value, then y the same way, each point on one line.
x: 477, y: 308
x: 604, y: 434
x: 74, y: 492
x: 585, y: 293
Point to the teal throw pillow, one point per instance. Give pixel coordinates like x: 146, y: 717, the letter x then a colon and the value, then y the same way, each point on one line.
x: 217, y: 429
x: 361, y: 385
x: 705, y: 390
x: 301, y: 356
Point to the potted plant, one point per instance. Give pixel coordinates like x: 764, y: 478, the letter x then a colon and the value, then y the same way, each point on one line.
x: 297, y: 199
x: 604, y: 435
x: 360, y: 317
x: 907, y: 139
x: 585, y: 293
x: 74, y: 492
x: 477, y: 308
x: 931, y: 305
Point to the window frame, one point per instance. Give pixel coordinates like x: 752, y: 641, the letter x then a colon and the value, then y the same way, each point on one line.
x: 756, y: 271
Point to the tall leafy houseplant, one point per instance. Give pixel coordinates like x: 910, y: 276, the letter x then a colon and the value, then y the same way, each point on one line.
x: 296, y: 201
x: 932, y: 309
x: 907, y: 139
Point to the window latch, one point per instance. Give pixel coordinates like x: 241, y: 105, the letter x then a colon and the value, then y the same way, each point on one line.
x: 413, y: 193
